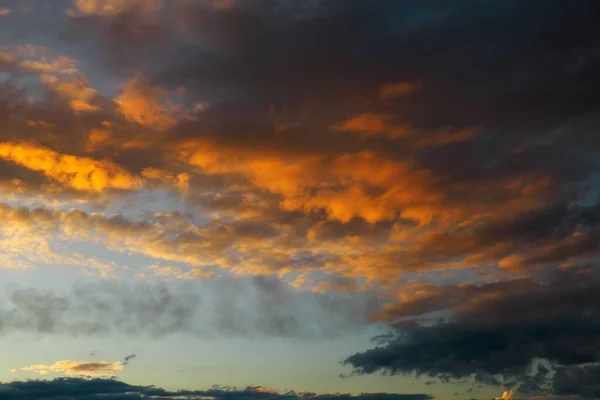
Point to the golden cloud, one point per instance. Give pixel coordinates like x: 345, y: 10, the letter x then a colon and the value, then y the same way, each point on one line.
x: 369, y: 124
x: 62, y: 65
x: 365, y: 184
x: 79, y: 173
x: 79, y: 95
x: 110, y: 8
x: 69, y: 367
x: 142, y: 103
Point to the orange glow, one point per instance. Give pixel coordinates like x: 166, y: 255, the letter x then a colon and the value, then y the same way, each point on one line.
x: 78, y: 173
x: 140, y: 102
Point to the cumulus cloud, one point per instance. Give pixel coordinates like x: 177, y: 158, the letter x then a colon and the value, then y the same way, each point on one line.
x: 79, y: 173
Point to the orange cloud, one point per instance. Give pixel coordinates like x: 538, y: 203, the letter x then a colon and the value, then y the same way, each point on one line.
x: 62, y: 65
x: 180, y: 181
x: 142, y: 103
x: 109, y: 8
x: 373, y: 124
x: 79, y: 173
x: 369, y: 124
x: 69, y: 367
x: 399, y: 89
x: 115, y: 138
x: 365, y: 184
x: 75, y: 90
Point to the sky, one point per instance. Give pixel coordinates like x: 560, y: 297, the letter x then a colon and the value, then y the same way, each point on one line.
x: 299, y: 200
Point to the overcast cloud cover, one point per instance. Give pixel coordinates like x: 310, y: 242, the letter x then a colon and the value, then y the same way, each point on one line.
x: 302, y: 171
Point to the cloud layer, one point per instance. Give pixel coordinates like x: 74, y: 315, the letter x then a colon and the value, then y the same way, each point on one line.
x: 429, y: 166
x: 221, y: 307
x: 109, y: 389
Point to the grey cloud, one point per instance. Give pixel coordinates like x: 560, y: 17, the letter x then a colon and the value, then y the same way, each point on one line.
x: 581, y: 380
x: 495, y: 332
x: 128, y: 358
x: 112, y: 389
x: 218, y: 306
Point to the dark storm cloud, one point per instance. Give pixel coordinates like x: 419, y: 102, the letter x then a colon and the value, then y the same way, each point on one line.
x: 492, y: 63
x: 111, y: 389
x: 578, y: 380
x: 260, y: 306
x: 495, y: 331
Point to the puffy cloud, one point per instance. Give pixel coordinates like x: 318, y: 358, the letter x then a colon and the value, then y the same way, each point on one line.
x: 142, y: 103
x: 507, y: 395
x: 366, y: 184
x: 80, y: 97
x: 79, y: 173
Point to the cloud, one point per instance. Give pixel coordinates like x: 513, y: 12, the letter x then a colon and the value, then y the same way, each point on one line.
x: 62, y: 65
x: 4, y: 11
x: 399, y: 89
x: 258, y: 306
x: 110, y: 8
x: 79, y: 389
x: 80, y: 173
x: 344, y: 145
x: 128, y: 358
x: 578, y: 380
x: 69, y: 367
x: 140, y: 102
x: 417, y: 150
x: 494, y: 332
x: 507, y: 395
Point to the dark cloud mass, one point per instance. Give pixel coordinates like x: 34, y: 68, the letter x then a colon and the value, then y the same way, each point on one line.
x: 496, y: 332
x: 111, y: 389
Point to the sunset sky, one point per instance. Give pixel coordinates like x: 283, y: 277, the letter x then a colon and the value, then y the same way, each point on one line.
x: 299, y: 199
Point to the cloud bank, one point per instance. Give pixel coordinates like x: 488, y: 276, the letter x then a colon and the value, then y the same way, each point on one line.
x: 110, y: 389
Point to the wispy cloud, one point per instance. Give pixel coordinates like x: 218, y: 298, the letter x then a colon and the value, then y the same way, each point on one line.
x: 69, y: 367
x: 259, y: 306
